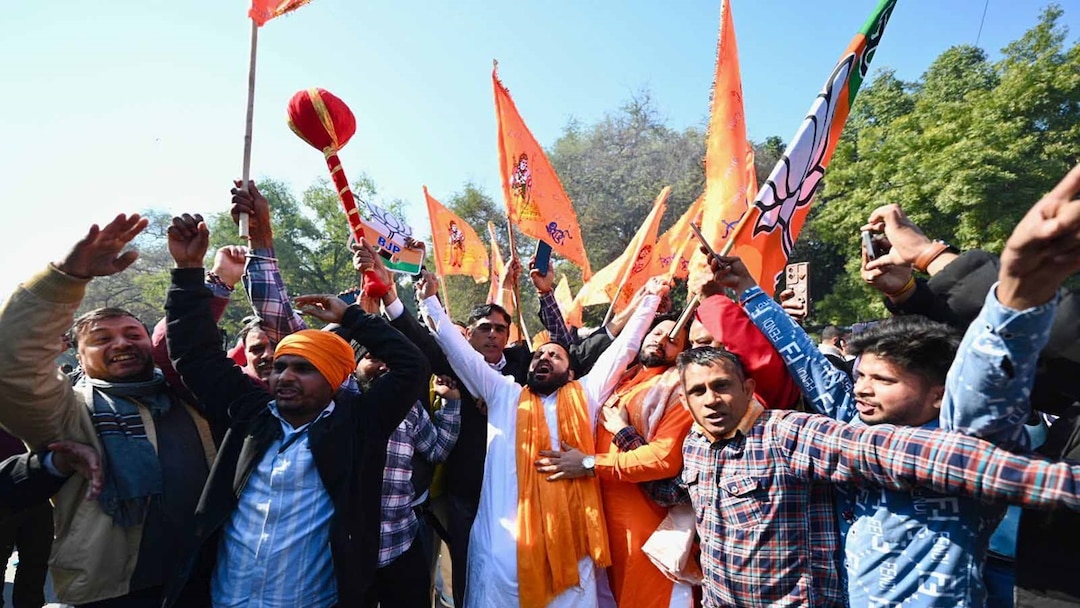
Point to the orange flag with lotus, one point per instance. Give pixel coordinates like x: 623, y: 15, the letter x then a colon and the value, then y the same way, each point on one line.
x: 535, y: 199
x: 458, y: 249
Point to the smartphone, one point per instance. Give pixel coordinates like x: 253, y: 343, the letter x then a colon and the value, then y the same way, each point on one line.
x: 701, y: 237
x: 797, y: 279
x: 542, y: 257
x: 868, y: 245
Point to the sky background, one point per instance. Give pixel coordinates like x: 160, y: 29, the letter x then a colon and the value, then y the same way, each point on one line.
x: 119, y: 106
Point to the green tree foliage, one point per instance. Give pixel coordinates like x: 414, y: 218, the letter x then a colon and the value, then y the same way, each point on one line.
x: 965, y: 151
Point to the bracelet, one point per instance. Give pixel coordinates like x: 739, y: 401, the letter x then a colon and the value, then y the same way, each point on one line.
x: 214, y: 279
x: 906, y: 288
x: 931, y: 253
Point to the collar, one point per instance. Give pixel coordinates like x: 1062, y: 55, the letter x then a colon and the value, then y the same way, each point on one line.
x: 499, y: 365
x: 753, y: 412
x: 288, y: 428
x: 829, y: 349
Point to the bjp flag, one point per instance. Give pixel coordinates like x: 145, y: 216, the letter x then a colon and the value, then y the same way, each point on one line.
x: 265, y: 10
x: 725, y: 149
x: 535, y: 199
x: 671, y: 257
x: 619, y: 281
x: 458, y: 250
x: 767, y: 236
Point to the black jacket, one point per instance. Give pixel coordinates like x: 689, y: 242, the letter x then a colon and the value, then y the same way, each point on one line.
x: 25, y: 483
x: 348, y: 446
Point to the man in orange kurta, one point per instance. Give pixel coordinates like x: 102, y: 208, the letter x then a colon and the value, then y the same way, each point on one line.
x: 649, y: 400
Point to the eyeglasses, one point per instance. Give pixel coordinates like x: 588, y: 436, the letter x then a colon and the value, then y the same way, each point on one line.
x: 491, y: 327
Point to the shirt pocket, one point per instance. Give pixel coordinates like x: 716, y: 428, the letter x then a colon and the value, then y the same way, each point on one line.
x: 739, y: 500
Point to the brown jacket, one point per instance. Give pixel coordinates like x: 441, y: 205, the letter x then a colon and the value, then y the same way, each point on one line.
x: 92, y: 559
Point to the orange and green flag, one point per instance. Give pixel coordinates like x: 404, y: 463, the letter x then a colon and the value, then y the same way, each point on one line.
x: 725, y: 199
x: 535, y: 199
x: 774, y: 220
x: 458, y: 249
x: 265, y: 10
x: 619, y: 281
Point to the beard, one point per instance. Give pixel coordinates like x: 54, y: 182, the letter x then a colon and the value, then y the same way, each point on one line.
x: 548, y: 385
x: 653, y: 359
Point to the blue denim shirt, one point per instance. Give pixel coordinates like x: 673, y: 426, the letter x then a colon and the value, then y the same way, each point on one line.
x: 918, y: 548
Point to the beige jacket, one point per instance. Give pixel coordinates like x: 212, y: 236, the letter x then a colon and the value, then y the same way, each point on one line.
x: 92, y: 559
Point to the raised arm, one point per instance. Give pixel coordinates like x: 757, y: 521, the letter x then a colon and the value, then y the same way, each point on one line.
x: 437, y: 437
x: 828, y: 389
x: 36, y: 400
x: 550, y: 315
x: 193, y: 338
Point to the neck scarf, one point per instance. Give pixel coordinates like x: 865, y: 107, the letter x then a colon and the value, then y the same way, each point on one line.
x: 562, y: 521
x: 132, y: 469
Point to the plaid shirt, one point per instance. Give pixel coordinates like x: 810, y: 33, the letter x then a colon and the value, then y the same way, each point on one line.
x: 269, y: 299
x: 433, y: 441
x: 552, y: 318
x: 751, y: 494
x: 664, y: 492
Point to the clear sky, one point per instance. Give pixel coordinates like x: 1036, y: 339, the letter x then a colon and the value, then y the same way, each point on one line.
x: 118, y: 106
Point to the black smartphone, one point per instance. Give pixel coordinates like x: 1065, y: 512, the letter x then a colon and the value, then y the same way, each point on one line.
x: 542, y: 257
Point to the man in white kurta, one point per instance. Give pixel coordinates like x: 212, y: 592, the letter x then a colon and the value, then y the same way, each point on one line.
x: 493, y: 572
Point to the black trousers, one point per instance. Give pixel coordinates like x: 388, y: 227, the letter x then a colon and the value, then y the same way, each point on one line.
x: 406, y: 581
x: 31, y: 532
x: 459, y: 515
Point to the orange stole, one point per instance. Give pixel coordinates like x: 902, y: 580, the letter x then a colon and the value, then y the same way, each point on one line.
x: 559, y: 522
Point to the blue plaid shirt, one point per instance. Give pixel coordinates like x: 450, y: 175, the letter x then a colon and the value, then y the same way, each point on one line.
x: 916, y: 546
x: 269, y: 299
x: 552, y: 318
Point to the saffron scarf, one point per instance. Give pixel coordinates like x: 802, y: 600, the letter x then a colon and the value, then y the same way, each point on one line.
x: 559, y: 522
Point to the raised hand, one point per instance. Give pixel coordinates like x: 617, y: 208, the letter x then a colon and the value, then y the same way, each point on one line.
x: 657, y: 286
x: 446, y: 388
x: 730, y: 272
x: 229, y: 262
x: 324, y: 307
x: 794, y: 309
x: 893, y: 280
x: 365, y: 258
x: 427, y: 286
x: 98, y: 253
x: 1044, y: 248
x: 250, y: 201
x: 511, y: 273
x: 70, y: 458
x: 189, y: 238
x: 544, y: 282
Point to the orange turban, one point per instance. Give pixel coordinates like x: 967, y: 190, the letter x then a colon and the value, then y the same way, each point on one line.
x: 331, y: 355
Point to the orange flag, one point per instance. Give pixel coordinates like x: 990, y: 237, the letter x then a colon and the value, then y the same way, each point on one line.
x: 621, y: 279
x: 458, y: 250
x: 776, y: 217
x: 674, y: 248
x: 565, y: 299
x: 265, y: 10
x: 725, y: 149
x: 535, y: 199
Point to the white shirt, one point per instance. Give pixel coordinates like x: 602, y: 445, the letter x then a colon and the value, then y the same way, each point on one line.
x: 492, y: 576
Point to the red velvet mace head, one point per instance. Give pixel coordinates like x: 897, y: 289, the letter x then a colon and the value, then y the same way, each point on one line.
x: 321, y: 119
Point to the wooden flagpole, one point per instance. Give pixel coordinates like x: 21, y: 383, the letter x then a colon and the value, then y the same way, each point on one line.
x: 692, y: 304
x: 514, y: 293
x: 244, y: 219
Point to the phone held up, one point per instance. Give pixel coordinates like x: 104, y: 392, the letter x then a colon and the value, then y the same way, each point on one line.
x: 797, y: 279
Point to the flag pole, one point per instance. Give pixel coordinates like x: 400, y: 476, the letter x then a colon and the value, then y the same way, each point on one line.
x: 244, y: 219
x: 514, y: 293
x: 692, y: 303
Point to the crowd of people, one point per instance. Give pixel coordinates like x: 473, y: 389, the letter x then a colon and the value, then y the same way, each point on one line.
x: 730, y: 461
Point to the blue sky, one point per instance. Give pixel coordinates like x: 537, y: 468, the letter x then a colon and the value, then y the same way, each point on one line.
x: 118, y: 106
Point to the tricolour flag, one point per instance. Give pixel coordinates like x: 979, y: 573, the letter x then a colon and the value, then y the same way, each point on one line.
x: 265, y: 10
x: 777, y: 215
x: 458, y: 249
x: 619, y: 281
x: 725, y: 148
x: 535, y: 199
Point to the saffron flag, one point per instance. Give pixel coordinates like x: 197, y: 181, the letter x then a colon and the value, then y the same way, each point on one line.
x: 265, y: 10
x: 777, y: 215
x: 619, y: 281
x: 565, y: 299
x: 725, y: 148
x: 535, y: 199
x: 458, y: 250
x: 674, y: 248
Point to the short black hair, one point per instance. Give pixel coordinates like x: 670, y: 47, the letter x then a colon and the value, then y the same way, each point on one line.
x: 912, y: 342
x: 709, y: 356
x: 673, y: 317
x: 99, y: 314
x: 831, y: 332
x: 251, y: 325
x: 486, y: 310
